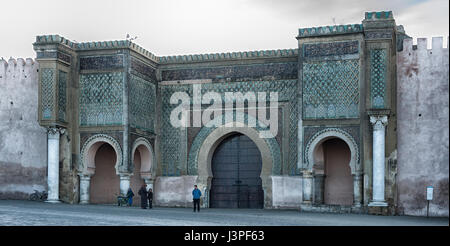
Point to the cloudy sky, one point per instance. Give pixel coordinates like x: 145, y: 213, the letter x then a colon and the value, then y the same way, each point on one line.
x: 176, y: 27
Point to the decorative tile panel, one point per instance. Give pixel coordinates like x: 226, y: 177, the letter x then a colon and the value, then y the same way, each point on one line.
x: 101, y: 62
x: 144, y: 69
x: 331, y: 89
x: 101, y: 99
x: 48, y: 92
x: 274, y: 147
x: 142, y: 103
x: 53, y: 54
x: 330, y: 49
x: 62, y: 95
x: 172, y: 138
x: 271, y: 71
x: 378, y: 69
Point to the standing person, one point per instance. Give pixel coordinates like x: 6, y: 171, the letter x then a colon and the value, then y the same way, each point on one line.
x: 143, y: 193
x: 130, y: 195
x: 196, y: 194
x: 150, y: 198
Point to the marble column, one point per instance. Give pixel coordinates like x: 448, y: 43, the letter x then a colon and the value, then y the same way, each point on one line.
x: 85, y: 183
x: 124, y: 183
x: 53, y: 136
x: 357, y: 189
x: 379, y: 123
x: 307, y: 185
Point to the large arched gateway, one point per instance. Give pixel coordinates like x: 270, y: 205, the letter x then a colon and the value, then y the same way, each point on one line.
x: 236, y: 167
x: 339, y: 83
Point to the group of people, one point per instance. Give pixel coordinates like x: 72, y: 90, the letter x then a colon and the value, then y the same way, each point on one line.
x: 148, y: 196
x: 145, y: 196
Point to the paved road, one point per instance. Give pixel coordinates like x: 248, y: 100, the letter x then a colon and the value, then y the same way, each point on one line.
x: 25, y: 213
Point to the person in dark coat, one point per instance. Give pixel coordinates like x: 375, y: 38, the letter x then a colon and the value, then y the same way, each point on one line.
x: 143, y: 193
x: 130, y: 195
x: 150, y: 198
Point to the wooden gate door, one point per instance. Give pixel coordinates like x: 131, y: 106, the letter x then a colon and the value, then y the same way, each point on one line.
x: 236, y: 167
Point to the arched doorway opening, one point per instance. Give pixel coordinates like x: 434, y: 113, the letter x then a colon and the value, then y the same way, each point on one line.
x: 333, y: 175
x: 104, y: 183
x: 142, y: 159
x: 136, y: 180
x: 236, y: 167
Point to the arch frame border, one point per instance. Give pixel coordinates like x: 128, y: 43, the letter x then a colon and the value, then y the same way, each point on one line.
x: 327, y: 133
x: 274, y: 147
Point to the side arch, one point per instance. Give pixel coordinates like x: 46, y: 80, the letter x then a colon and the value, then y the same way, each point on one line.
x: 326, y: 134
x: 90, y: 148
x: 147, y: 157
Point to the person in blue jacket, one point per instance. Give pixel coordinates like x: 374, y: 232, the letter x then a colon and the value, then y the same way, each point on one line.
x: 196, y: 194
x: 130, y: 195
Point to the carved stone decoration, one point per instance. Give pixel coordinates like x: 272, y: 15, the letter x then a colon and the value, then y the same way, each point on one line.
x: 378, y: 122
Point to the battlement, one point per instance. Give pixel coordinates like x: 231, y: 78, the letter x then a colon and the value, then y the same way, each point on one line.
x: 422, y: 45
x: 55, y: 39
x: 329, y: 30
x: 16, y: 64
x: 15, y: 73
x: 382, y: 15
x: 116, y: 44
x: 228, y: 56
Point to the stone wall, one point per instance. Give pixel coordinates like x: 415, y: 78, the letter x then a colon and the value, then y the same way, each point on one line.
x: 423, y: 127
x: 23, y: 143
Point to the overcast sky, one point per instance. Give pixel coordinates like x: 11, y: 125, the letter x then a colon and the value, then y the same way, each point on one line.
x: 170, y: 27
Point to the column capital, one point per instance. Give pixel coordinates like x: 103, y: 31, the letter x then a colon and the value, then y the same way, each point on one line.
x: 125, y: 176
x: 358, y: 175
x: 84, y: 176
x: 307, y: 174
x: 54, y: 130
x: 378, y: 121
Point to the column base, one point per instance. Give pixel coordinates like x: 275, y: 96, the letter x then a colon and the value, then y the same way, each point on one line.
x: 84, y: 202
x: 357, y: 205
x: 378, y: 204
x: 52, y: 201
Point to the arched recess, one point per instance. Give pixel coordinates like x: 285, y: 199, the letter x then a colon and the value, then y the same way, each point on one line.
x: 142, y: 159
x: 90, y: 148
x: 147, y: 157
x: 329, y: 133
x: 100, y: 186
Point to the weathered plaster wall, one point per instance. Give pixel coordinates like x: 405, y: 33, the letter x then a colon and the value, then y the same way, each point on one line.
x: 23, y: 143
x: 423, y: 127
x: 174, y: 191
x: 286, y: 191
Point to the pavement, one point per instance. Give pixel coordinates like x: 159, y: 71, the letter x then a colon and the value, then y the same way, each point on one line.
x: 28, y: 213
